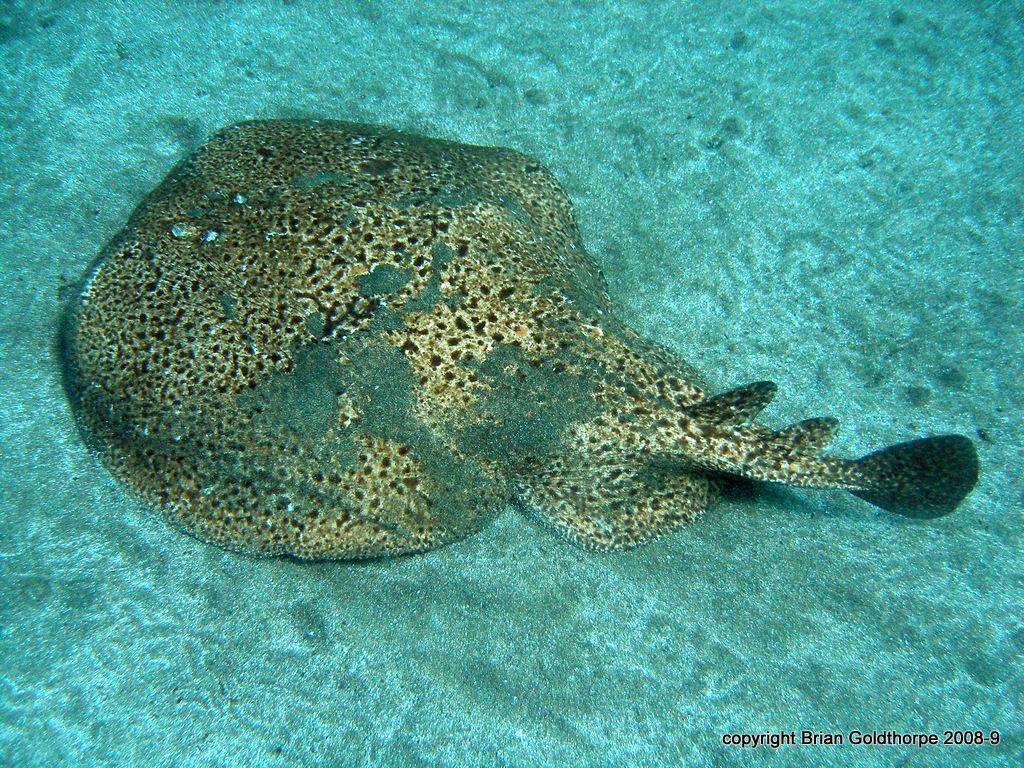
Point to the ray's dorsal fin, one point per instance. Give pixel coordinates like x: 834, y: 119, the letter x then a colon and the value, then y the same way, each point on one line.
x: 809, y: 437
x: 736, y: 407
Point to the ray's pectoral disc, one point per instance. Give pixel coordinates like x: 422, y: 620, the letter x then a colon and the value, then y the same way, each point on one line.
x: 291, y: 346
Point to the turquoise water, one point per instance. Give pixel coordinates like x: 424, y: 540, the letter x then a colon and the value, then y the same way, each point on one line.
x: 826, y: 195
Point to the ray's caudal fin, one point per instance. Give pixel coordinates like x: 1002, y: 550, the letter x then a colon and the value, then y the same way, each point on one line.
x: 921, y: 478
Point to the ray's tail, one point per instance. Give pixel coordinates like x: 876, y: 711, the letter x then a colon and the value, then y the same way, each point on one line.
x: 923, y: 478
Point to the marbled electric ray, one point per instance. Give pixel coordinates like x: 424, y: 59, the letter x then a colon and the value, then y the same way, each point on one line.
x: 331, y: 340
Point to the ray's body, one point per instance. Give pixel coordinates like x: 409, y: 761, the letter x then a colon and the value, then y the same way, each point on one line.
x: 332, y: 340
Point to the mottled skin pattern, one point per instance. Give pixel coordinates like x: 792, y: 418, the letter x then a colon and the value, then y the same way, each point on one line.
x: 332, y: 340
